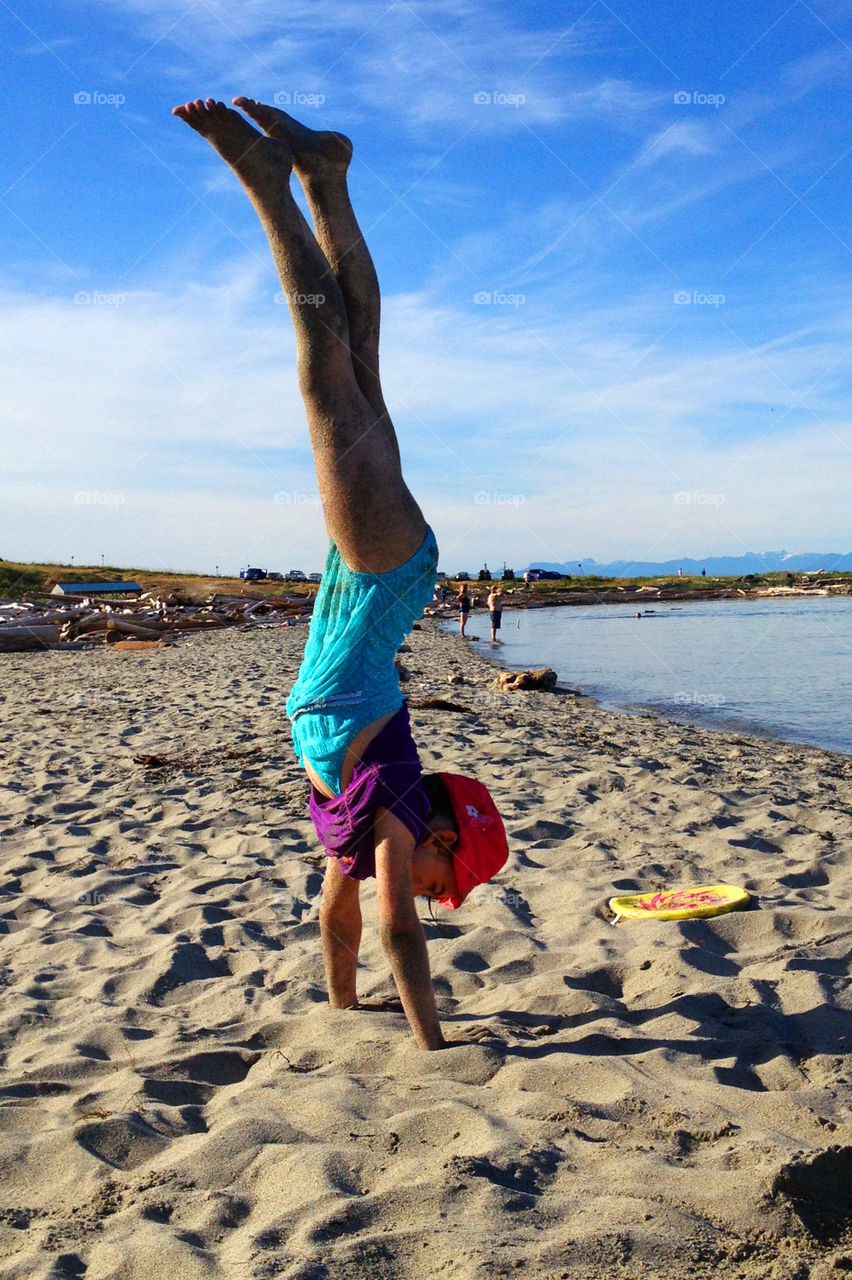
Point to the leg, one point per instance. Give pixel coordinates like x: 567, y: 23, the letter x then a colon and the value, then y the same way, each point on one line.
x: 369, y: 511
x: 340, y: 929
x: 321, y: 160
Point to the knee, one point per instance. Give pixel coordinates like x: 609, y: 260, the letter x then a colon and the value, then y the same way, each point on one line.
x: 325, y: 367
x: 333, y: 403
x: 341, y: 430
x: 339, y: 895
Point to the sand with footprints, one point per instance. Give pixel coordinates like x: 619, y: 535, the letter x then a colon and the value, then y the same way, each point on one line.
x: 650, y: 1099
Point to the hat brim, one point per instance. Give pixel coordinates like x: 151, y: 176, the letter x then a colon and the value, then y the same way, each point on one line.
x: 466, y: 857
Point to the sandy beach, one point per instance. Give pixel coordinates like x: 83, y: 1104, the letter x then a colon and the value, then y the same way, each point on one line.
x: 645, y: 1099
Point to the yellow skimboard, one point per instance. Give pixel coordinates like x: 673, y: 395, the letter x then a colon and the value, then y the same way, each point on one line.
x: 680, y: 904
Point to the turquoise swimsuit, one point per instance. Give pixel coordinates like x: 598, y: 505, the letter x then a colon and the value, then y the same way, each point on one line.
x: 347, y: 678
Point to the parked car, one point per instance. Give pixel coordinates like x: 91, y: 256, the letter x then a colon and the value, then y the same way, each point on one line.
x: 253, y: 575
x: 275, y: 576
x: 314, y: 577
x: 296, y: 575
x: 439, y: 574
x: 461, y: 576
x: 545, y: 575
x: 508, y: 575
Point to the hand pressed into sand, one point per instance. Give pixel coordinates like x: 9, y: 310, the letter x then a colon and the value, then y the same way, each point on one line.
x: 390, y: 1004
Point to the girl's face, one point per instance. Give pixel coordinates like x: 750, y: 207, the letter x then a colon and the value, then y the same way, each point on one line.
x: 432, y: 868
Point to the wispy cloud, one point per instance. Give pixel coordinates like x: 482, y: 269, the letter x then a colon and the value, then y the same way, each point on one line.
x: 827, y: 65
x: 690, y: 136
x: 414, y: 64
x: 186, y: 402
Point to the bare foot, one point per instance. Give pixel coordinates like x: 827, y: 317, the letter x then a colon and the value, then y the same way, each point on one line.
x: 316, y: 154
x: 255, y: 160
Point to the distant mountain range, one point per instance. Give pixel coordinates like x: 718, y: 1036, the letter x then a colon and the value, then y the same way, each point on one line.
x: 717, y: 566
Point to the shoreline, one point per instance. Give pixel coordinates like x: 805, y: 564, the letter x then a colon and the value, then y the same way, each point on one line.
x: 605, y: 703
x: 657, y: 1098
x: 632, y: 596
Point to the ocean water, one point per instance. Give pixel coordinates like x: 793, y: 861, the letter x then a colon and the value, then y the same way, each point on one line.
x: 778, y: 667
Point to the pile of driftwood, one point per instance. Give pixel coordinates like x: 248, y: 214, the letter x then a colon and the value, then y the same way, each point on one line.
x: 149, y: 622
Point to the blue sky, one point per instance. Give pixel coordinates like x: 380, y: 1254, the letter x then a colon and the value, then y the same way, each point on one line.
x: 614, y: 247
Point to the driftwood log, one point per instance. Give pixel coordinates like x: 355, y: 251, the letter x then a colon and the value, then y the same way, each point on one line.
x: 18, y: 639
x: 540, y: 678
x: 140, y: 644
x: 117, y: 627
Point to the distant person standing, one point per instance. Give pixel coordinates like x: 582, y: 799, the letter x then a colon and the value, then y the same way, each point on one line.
x: 463, y: 602
x: 495, y: 609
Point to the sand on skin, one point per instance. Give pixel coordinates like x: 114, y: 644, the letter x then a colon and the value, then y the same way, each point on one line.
x: 640, y: 1100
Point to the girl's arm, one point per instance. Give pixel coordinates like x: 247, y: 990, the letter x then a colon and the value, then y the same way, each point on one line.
x: 401, y: 932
